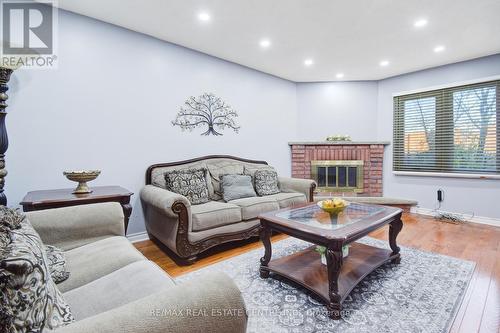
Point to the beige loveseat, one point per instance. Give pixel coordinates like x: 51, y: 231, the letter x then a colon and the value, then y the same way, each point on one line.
x: 187, y: 230
x: 113, y: 288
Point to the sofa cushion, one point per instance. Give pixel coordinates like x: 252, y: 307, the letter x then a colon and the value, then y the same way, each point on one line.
x: 94, y: 260
x: 288, y: 199
x: 125, y: 285
x: 214, y: 214
x: 252, y: 207
x: 266, y: 182
x: 191, y: 183
x: 30, y: 300
x: 236, y: 187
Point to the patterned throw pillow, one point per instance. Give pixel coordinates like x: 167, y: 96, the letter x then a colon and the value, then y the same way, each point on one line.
x: 57, y: 263
x: 29, y: 298
x: 266, y: 182
x: 191, y: 183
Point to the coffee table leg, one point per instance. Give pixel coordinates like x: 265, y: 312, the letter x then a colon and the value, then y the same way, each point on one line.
x: 265, y: 237
x: 394, y: 229
x: 334, y: 265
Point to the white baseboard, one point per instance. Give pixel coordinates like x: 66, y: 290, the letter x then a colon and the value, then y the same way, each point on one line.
x: 466, y: 217
x: 138, y: 237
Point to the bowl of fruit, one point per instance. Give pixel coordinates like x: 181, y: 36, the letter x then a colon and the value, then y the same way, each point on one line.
x: 333, y: 206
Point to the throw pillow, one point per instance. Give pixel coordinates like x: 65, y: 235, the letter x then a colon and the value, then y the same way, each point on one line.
x: 29, y: 298
x: 250, y: 170
x: 219, y: 168
x: 191, y: 183
x: 57, y: 263
x: 266, y: 182
x: 236, y: 187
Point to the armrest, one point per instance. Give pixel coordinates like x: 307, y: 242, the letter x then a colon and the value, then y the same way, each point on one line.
x: 305, y: 186
x: 70, y: 227
x: 209, y: 303
x: 162, y: 199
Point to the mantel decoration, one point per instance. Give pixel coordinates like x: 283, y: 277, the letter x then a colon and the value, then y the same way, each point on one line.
x: 82, y: 177
x: 208, y: 111
x: 338, y: 138
x: 5, y: 73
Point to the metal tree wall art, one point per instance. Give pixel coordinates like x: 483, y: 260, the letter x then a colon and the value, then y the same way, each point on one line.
x: 208, y: 111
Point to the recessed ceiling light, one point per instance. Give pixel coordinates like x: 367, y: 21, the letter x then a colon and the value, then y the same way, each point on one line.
x: 420, y: 23
x: 204, y: 16
x: 265, y: 43
x: 384, y: 63
x: 339, y: 75
x: 308, y: 62
x: 439, y: 48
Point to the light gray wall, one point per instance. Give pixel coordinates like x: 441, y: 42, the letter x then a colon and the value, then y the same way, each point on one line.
x: 110, y: 104
x: 347, y: 108
x: 364, y: 110
x: 477, y: 196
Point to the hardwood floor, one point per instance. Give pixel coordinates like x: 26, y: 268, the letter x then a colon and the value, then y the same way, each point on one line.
x: 480, y: 309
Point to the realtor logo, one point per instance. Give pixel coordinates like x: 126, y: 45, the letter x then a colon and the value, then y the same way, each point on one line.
x: 28, y: 30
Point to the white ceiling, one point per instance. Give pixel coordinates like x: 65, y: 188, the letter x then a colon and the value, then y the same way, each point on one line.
x: 341, y: 36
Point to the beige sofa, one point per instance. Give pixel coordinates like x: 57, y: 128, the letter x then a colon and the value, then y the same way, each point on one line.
x: 187, y: 230
x: 113, y: 288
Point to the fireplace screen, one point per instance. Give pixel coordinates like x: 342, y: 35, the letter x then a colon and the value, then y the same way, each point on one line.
x: 341, y: 176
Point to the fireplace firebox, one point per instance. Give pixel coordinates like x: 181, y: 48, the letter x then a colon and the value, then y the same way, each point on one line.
x: 338, y: 175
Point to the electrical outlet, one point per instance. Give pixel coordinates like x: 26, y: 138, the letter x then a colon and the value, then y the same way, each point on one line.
x: 440, y: 195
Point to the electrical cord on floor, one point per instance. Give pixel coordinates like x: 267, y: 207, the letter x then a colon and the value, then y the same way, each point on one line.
x: 450, y: 217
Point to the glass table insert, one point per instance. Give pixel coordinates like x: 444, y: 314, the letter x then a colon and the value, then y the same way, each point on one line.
x: 314, y: 216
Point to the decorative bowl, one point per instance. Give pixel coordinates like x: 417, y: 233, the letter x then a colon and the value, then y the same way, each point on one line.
x: 333, y: 206
x: 82, y: 177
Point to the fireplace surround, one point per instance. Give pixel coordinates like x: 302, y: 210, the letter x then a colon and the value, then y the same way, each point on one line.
x: 340, y: 163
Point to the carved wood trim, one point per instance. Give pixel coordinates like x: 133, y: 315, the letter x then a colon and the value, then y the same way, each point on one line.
x: 161, y: 165
x: 4, y: 139
x: 311, y: 192
x: 186, y: 249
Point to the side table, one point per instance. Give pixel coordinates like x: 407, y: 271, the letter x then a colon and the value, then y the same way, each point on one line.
x: 46, y: 199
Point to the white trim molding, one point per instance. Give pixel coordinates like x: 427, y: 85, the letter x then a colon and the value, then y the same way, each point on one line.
x: 446, y: 175
x: 466, y: 217
x: 447, y: 85
x: 138, y: 237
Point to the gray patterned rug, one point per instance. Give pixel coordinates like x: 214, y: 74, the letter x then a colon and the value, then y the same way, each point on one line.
x: 422, y: 294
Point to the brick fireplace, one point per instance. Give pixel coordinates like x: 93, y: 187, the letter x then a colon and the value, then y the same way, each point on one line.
x: 341, y: 164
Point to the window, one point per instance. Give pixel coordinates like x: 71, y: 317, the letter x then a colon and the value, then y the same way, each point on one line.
x: 452, y: 130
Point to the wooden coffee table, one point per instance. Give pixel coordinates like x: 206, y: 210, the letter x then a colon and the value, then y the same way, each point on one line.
x: 333, y: 282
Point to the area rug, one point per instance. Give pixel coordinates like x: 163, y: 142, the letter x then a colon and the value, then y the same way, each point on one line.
x: 421, y: 294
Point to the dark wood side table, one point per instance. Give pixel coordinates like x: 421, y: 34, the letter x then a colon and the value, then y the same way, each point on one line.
x: 46, y: 199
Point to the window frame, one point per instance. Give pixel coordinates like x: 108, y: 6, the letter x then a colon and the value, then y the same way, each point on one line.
x: 444, y: 164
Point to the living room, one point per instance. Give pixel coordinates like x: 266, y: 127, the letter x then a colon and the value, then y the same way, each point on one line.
x: 291, y: 166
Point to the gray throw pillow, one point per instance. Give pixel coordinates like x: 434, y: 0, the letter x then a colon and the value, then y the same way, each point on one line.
x: 30, y: 300
x: 191, y: 183
x: 236, y: 187
x: 219, y: 168
x: 266, y: 182
x: 57, y: 263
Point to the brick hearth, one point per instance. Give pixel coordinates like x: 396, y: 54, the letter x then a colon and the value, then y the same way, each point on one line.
x: 372, y: 154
